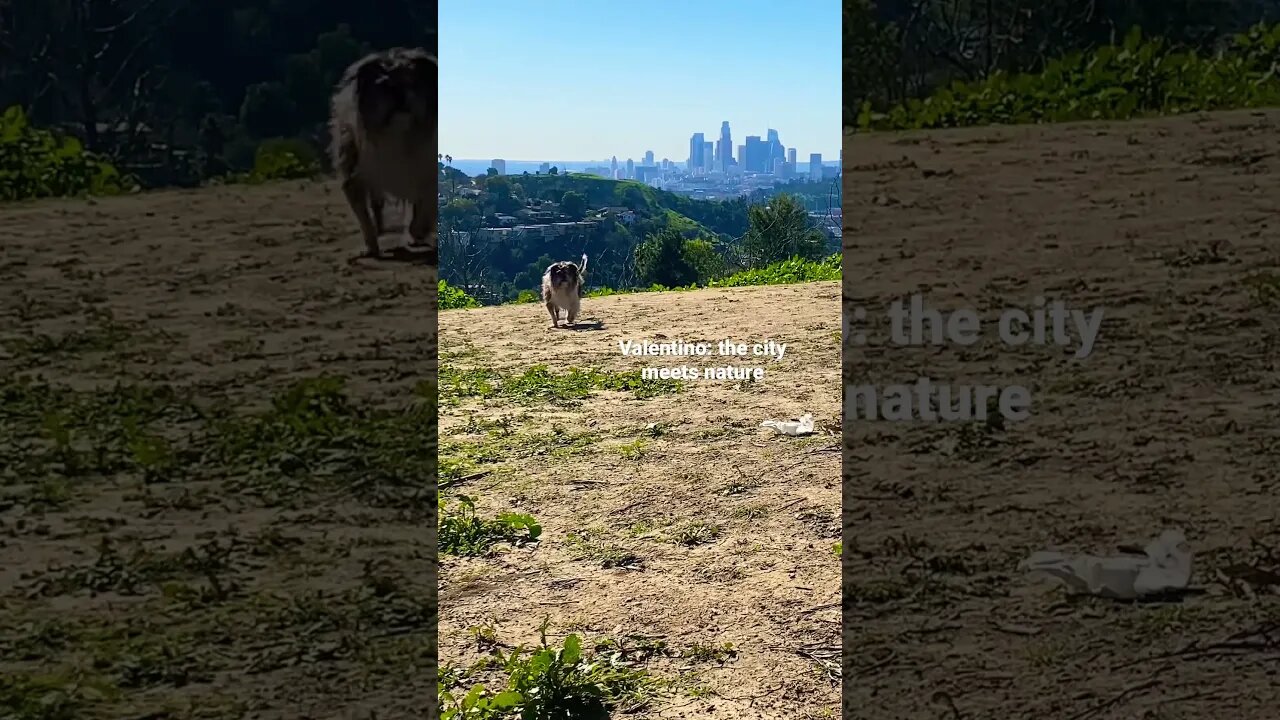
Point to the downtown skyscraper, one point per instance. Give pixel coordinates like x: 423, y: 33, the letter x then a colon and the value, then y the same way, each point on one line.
x: 724, y: 149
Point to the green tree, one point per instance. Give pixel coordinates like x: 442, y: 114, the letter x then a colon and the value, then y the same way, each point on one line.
x: 574, y: 204
x: 661, y: 260
x: 780, y: 230
x: 707, y: 263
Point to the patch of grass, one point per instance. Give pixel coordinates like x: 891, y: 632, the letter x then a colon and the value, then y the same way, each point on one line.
x: 696, y: 533
x: 51, y: 697
x: 463, y: 532
x: 540, y: 384
x: 1264, y: 288
x: 589, y: 545
x: 720, y: 654
x: 633, y: 450
x: 312, y: 438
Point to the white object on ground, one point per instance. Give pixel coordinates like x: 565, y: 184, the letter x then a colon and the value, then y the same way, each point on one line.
x: 803, y: 426
x: 1165, y: 567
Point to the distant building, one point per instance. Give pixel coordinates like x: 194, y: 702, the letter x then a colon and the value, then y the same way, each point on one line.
x: 500, y: 165
x: 755, y: 155
x: 776, y: 153
x: 631, y: 169
x: 791, y: 156
x: 544, y: 168
x: 708, y: 156
x: 625, y: 215
x: 613, y: 167
x: 648, y: 157
x: 696, y: 144
x: 724, y: 150
x: 815, y: 166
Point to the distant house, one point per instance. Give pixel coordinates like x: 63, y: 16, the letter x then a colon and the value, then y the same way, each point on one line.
x: 625, y: 215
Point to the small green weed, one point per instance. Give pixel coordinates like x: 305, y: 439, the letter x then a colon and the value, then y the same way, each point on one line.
x: 463, y: 532
x: 551, y: 683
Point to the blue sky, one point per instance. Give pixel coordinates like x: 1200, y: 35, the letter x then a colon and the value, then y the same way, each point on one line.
x: 587, y: 79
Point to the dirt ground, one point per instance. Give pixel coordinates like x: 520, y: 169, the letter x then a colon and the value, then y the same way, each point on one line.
x: 675, y: 519
x: 160, y: 561
x: 193, y: 524
x: 1171, y: 226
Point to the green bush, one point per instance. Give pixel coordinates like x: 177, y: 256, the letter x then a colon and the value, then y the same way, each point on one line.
x: 284, y: 159
x: 37, y: 163
x: 527, y: 296
x: 452, y: 298
x: 794, y: 270
x: 1138, y: 78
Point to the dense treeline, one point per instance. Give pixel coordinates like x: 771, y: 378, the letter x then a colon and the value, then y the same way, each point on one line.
x: 178, y: 91
x: 898, y: 50
x: 635, y: 235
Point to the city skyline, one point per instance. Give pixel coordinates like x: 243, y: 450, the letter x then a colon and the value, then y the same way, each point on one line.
x: 629, y: 77
x: 640, y: 156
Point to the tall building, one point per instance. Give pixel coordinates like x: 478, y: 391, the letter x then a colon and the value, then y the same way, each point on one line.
x: 815, y: 166
x: 500, y: 165
x: 791, y: 156
x: 544, y: 168
x: 695, y: 152
x: 648, y: 157
x: 708, y: 156
x: 742, y: 158
x: 755, y: 156
x: 613, y: 167
x: 776, y: 153
x: 724, y: 151
x: 631, y: 169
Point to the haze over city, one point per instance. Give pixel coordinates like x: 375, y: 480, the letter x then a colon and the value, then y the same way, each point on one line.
x: 558, y: 83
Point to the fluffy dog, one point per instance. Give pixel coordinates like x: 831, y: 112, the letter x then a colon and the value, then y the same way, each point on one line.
x: 382, y: 125
x: 562, y: 285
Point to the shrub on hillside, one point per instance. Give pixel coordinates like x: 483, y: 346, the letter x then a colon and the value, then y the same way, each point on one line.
x: 453, y: 298
x: 794, y: 270
x: 1140, y: 77
x: 284, y: 159
x: 38, y: 163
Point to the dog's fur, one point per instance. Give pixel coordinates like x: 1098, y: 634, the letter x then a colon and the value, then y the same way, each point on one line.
x: 562, y: 285
x: 382, y: 125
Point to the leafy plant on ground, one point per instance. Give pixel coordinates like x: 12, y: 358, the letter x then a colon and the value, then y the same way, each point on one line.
x: 550, y: 683
x: 463, y: 532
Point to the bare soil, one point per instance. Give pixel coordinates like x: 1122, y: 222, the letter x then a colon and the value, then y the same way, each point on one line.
x: 153, y: 562
x: 1172, y: 226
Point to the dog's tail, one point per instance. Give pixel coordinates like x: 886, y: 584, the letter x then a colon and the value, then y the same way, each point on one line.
x: 584, y: 264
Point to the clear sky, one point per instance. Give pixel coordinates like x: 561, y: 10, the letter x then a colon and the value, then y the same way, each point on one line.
x: 588, y: 79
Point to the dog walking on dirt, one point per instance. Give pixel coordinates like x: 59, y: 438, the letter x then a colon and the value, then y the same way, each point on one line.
x: 562, y: 285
